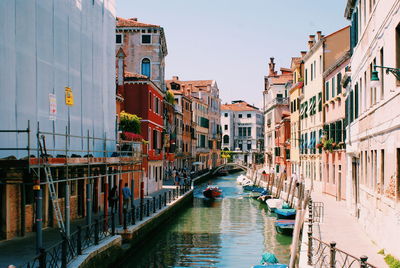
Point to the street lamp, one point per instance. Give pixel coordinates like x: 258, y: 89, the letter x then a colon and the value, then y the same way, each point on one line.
x: 375, y: 77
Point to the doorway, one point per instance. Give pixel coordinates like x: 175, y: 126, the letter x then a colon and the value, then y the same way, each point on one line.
x: 356, y: 186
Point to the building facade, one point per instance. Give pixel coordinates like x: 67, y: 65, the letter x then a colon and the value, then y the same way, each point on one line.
x: 207, y: 92
x: 294, y: 97
x: 373, y: 136
x: 242, y: 131
x: 276, y: 102
x: 332, y: 142
x: 145, y: 48
x: 323, y: 52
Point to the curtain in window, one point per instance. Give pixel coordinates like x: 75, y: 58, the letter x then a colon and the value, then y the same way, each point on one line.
x: 146, y: 67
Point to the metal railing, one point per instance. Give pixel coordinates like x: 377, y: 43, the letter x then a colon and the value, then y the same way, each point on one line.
x: 322, y: 254
x: 65, y: 251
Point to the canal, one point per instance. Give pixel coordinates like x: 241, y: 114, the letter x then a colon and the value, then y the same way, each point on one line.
x: 233, y: 231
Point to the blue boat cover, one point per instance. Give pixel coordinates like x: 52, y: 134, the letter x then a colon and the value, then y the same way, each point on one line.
x: 284, y: 223
x: 285, y: 212
x: 277, y: 265
x: 286, y: 206
x: 269, y: 258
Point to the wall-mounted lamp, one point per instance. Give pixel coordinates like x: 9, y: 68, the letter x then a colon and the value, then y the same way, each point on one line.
x: 375, y: 77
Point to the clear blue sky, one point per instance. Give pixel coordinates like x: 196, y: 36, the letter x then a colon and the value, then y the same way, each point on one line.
x: 231, y: 41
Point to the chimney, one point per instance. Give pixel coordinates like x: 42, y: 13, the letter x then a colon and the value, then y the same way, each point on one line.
x: 303, y: 53
x: 190, y: 90
x: 312, y: 37
x: 319, y: 34
x: 175, y: 78
x: 133, y: 19
x: 272, y: 67
x: 310, y: 44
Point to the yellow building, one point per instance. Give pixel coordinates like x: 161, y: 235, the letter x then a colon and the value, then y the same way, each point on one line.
x: 294, y: 98
x: 323, y: 52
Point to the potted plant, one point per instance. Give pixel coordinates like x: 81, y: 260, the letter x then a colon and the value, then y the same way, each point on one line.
x: 328, y: 145
x: 319, y: 145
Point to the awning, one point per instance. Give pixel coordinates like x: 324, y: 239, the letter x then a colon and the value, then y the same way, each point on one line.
x: 197, y: 163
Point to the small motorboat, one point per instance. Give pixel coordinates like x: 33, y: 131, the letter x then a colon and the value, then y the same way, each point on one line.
x: 241, y: 178
x: 254, y: 188
x: 285, y: 213
x: 284, y: 227
x: 269, y: 260
x: 247, y: 182
x: 274, y: 203
x: 212, y: 192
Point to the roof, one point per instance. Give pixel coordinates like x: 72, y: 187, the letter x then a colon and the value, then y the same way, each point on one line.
x: 132, y: 22
x: 239, y: 106
x: 281, y: 79
x: 134, y: 75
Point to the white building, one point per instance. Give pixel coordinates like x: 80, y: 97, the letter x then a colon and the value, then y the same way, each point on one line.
x: 242, y: 130
x: 46, y: 46
x: 276, y: 102
x: 373, y: 114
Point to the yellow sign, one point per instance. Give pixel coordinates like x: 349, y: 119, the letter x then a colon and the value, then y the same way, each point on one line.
x: 36, y: 187
x: 69, y: 97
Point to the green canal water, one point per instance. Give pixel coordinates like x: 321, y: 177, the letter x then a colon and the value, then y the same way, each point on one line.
x: 233, y: 231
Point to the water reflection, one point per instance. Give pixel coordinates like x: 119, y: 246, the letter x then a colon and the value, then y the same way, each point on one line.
x: 232, y: 231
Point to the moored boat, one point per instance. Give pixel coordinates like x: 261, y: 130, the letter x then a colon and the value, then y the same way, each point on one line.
x: 284, y: 213
x: 284, y: 227
x: 276, y: 265
x: 274, y: 203
x: 269, y: 260
x: 212, y: 192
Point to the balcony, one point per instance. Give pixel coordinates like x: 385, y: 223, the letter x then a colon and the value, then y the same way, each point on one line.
x: 280, y: 101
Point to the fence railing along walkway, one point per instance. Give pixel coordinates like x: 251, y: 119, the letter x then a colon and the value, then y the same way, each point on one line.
x: 67, y: 249
x: 322, y: 254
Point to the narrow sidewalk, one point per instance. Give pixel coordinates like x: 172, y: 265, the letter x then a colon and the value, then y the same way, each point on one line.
x: 339, y: 226
x: 19, y: 250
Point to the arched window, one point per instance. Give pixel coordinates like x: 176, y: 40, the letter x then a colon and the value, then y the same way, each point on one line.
x: 146, y: 67
x: 226, y: 139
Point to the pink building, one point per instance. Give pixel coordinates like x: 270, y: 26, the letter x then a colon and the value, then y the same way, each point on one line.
x: 333, y: 141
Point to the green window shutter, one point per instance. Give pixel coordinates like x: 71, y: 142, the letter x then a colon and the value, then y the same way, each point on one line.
x: 339, y: 137
x: 320, y: 102
x: 333, y: 87
x: 351, y: 107
x: 332, y: 131
x: 305, y: 109
x: 339, y: 83
x: 326, y: 91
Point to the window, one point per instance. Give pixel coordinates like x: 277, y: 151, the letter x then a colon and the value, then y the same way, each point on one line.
x: 155, y: 138
x: 306, y: 76
x: 356, y: 101
x: 249, y: 145
x: 333, y: 87
x: 339, y: 81
x: 226, y: 139
x: 327, y: 91
x: 320, y: 102
x: 226, y: 127
x: 248, y: 115
x: 312, y: 72
x: 249, y: 131
x: 118, y: 39
x: 150, y: 102
x: 146, y: 67
x: 146, y: 39
x: 240, y: 115
x: 226, y: 114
